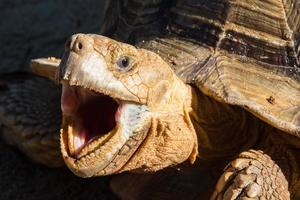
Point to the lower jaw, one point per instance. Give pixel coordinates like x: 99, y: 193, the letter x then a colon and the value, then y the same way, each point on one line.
x: 69, y: 129
x: 107, y: 155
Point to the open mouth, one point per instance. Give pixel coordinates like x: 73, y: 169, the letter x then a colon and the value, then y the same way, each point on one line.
x: 93, y: 117
x: 104, y: 122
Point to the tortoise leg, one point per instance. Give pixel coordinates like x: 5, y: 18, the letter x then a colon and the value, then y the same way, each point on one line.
x: 30, y: 117
x: 253, y: 175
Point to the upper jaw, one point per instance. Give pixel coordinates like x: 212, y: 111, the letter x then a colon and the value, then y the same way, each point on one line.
x: 91, y: 71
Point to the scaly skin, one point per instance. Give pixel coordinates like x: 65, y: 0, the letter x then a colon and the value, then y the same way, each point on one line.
x: 30, y: 117
x: 173, y: 123
x: 179, y: 120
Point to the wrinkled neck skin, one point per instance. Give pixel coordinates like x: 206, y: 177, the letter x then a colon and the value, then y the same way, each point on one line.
x: 171, y: 138
x: 194, y: 126
x: 223, y: 130
x: 189, y: 125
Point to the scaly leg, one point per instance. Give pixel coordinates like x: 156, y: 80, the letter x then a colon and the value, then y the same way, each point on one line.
x: 255, y: 175
x: 30, y: 116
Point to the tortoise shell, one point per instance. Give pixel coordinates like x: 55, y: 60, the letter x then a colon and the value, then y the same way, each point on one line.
x: 244, y: 52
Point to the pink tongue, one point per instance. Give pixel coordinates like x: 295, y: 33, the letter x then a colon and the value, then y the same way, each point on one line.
x: 69, y: 100
x: 79, y: 141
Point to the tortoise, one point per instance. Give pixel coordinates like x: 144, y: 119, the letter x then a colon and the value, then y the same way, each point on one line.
x: 215, y: 83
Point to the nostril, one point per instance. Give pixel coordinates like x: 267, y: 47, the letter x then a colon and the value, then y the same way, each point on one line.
x: 79, y: 45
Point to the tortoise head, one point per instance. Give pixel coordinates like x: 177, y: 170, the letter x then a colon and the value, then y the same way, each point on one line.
x: 123, y: 109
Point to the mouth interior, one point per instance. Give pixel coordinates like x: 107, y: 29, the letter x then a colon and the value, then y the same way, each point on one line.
x: 93, y: 114
x: 97, y: 116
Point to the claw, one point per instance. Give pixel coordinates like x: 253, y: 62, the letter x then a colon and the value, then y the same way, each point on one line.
x: 221, y: 183
x: 232, y: 194
x: 240, y: 163
x: 252, y: 170
x: 253, y: 190
x: 243, y: 180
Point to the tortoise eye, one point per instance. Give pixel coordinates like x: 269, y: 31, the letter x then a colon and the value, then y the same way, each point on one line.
x: 124, y: 63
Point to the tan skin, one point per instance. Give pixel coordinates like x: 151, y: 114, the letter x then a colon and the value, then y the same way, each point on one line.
x: 174, y: 122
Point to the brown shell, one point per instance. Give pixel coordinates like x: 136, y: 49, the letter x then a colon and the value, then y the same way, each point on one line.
x: 242, y: 52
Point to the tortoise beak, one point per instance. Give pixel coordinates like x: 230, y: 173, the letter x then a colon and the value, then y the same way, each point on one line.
x: 82, y: 65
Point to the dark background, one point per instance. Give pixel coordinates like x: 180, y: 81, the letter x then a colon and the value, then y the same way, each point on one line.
x: 31, y: 29
x: 39, y: 28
